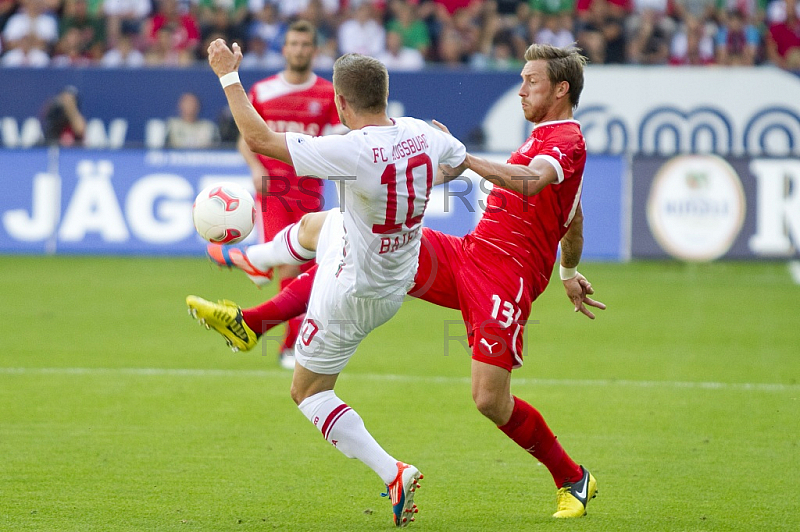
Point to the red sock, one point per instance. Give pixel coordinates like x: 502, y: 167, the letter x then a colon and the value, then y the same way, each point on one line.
x: 288, y: 303
x: 529, y: 430
x: 293, y: 324
x: 261, y: 218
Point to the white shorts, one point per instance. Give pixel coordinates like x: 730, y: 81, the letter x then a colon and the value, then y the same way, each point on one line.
x: 336, y: 321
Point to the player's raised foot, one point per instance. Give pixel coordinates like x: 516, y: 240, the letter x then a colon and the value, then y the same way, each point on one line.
x: 286, y: 359
x: 573, y: 498
x: 401, y: 492
x: 236, y: 258
x: 225, y: 317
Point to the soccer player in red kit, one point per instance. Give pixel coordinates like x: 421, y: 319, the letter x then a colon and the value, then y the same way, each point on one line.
x: 494, y: 273
x: 297, y: 101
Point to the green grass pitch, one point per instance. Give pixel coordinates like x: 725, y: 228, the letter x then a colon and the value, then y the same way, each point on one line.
x: 118, y: 412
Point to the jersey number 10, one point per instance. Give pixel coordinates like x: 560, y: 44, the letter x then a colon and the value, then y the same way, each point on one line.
x: 415, y: 212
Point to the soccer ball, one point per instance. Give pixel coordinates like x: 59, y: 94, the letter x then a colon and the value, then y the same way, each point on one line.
x: 224, y: 213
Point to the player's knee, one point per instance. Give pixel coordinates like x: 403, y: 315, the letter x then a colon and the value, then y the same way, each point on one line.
x: 310, y: 226
x: 298, y: 394
x: 489, y: 404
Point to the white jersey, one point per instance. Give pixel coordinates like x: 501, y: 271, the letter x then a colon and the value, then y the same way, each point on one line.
x: 386, y: 173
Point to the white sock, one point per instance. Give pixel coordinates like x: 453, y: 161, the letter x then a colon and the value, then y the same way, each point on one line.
x: 285, y: 248
x: 345, y: 430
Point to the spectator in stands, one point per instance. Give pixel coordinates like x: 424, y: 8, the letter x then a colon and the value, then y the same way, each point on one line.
x: 649, y: 44
x: 266, y: 25
x: 400, y: 57
x: 737, y: 41
x: 258, y: 55
x: 124, y: 54
x: 488, y: 23
x: 125, y: 16
x: 691, y: 44
x: 91, y: 28
x: 63, y: 123
x: 289, y: 9
x: 450, y: 50
x: 557, y: 31
x: 361, y: 33
x: 163, y: 52
x: 753, y: 10
x: 185, y: 35
x: 501, y: 55
x: 7, y: 9
x: 187, y: 130
x: 777, y: 11
x: 27, y: 53
x: 552, y: 7
x: 327, y: 25
x: 327, y: 45
x: 445, y: 9
x: 703, y: 11
x: 71, y: 50
x: 413, y: 32
x: 600, y: 31
x: 783, y: 40
x: 228, y: 17
x: 650, y: 28
x: 327, y: 53
x: 31, y: 20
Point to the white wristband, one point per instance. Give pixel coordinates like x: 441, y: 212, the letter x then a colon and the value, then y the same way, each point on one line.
x: 567, y: 273
x: 229, y: 79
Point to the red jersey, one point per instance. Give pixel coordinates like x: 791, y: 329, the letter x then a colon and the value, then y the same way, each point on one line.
x: 529, y: 228
x: 307, y: 108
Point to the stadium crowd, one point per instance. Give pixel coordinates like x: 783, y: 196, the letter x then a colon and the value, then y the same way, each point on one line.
x: 404, y: 34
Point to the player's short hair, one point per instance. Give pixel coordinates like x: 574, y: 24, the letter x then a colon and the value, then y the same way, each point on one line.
x: 302, y: 26
x: 563, y: 64
x: 363, y: 81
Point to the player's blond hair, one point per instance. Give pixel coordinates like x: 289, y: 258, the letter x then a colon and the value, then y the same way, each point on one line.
x: 563, y: 64
x: 363, y: 81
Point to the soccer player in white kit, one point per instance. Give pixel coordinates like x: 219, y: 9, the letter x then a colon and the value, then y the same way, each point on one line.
x: 367, y: 253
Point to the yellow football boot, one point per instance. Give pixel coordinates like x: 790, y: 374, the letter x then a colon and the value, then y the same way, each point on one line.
x: 225, y: 317
x: 573, y: 498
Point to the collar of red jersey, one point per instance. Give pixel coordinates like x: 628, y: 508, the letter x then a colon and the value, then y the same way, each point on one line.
x: 301, y: 86
x: 554, y: 122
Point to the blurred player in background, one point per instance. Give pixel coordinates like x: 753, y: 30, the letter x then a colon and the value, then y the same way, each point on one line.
x: 63, y: 123
x: 295, y: 100
x: 495, y: 272
x: 368, y: 254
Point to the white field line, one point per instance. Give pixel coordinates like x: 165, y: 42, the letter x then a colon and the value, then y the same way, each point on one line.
x: 424, y: 379
x: 794, y: 271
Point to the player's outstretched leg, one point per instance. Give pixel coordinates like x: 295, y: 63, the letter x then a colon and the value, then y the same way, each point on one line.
x: 401, y: 491
x: 225, y: 317
x: 295, y: 244
x: 344, y: 429
x: 228, y: 257
x: 573, y: 497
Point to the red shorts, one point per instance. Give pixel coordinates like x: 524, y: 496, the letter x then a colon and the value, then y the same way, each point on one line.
x: 492, y: 290
x: 286, y: 202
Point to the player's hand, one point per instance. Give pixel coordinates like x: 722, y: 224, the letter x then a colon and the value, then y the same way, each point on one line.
x: 224, y: 60
x: 442, y: 127
x: 578, y: 290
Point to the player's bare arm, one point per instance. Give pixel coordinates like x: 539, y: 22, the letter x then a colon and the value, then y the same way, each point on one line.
x: 577, y: 286
x: 258, y: 136
x: 446, y: 173
x: 527, y: 180
x: 257, y: 170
